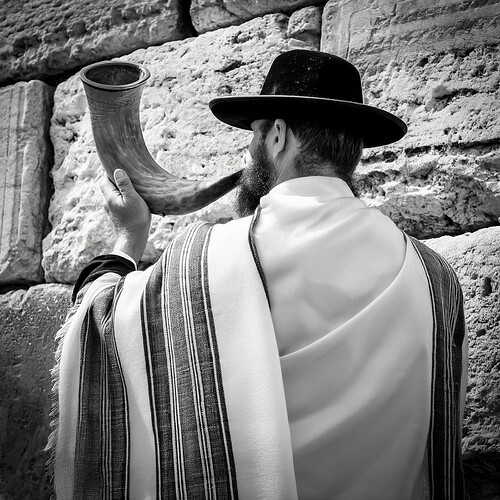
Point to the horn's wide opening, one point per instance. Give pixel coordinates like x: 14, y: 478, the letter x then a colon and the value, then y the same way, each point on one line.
x: 114, y: 75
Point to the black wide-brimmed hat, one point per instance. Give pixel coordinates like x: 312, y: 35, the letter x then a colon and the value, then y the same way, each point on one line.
x: 303, y: 84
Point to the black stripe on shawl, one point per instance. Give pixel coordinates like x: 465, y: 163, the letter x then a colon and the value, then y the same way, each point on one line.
x: 445, y: 471
x: 157, y: 371
x: 194, y: 451
x: 102, y: 445
x: 255, y: 253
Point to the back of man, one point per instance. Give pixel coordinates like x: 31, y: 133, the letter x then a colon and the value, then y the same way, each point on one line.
x: 312, y: 349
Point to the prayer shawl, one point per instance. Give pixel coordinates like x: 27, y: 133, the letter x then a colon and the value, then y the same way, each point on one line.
x: 354, y: 318
x: 169, y: 382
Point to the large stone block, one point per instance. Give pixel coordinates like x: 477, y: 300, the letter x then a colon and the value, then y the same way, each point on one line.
x: 435, y: 65
x: 179, y: 129
x: 50, y: 37
x: 435, y: 192
x: 476, y: 260
x: 25, y: 158
x: 29, y: 320
x: 209, y: 15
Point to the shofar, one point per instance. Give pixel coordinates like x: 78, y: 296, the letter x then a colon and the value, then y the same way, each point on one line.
x: 114, y: 91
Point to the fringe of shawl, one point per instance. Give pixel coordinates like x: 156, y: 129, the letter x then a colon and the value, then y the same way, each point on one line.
x: 51, y: 446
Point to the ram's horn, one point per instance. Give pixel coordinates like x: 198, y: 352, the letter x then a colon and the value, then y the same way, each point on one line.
x: 114, y: 91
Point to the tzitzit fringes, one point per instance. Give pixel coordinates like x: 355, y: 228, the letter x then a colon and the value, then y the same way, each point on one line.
x: 51, y: 446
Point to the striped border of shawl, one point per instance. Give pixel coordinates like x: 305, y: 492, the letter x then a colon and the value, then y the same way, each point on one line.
x: 103, y: 439
x: 445, y: 471
x: 193, y: 446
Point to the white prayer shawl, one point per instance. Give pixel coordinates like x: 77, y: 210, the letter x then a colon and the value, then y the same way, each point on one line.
x: 354, y: 323
x: 353, y: 319
x: 171, y: 382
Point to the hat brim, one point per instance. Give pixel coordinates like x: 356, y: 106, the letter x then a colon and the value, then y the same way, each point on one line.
x: 376, y: 126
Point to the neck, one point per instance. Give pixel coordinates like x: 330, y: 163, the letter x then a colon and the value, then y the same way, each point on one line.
x: 284, y: 174
x: 295, y: 170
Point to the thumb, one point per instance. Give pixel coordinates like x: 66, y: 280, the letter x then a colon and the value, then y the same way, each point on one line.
x: 122, y: 181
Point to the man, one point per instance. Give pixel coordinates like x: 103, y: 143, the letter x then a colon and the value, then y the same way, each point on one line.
x: 309, y: 349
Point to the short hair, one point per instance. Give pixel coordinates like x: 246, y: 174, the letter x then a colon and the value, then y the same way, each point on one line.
x: 320, y: 143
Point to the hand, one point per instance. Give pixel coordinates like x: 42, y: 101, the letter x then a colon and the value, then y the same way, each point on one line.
x: 129, y: 214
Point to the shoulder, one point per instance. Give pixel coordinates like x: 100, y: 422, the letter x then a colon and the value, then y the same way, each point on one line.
x: 443, y: 280
x: 99, y: 266
x: 432, y: 260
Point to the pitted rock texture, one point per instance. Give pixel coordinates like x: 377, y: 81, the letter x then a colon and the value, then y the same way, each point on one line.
x: 25, y: 158
x: 179, y: 129
x: 436, y: 66
x: 433, y: 64
x: 476, y: 260
x: 209, y: 15
x: 29, y: 320
x: 434, y: 191
x: 47, y: 37
x: 305, y: 25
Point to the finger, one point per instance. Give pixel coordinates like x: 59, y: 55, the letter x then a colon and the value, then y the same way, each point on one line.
x: 123, y: 183
x: 109, y: 190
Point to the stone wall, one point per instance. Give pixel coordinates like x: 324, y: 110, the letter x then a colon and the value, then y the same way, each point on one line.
x: 44, y: 38
x: 434, y: 64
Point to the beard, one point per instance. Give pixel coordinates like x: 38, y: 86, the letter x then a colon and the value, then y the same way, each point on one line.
x: 255, y: 182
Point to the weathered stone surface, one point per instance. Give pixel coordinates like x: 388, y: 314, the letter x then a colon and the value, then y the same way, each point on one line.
x: 25, y: 157
x: 433, y: 63
x: 49, y: 37
x: 440, y: 191
x: 305, y: 24
x: 29, y: 320
x: 476, y: 260
x: 208, y: 15
x: 179, y: 129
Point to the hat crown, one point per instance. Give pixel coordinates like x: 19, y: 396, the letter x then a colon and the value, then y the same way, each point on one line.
x: 313, y: 74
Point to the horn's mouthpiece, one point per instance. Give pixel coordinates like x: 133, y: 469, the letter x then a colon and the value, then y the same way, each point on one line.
x: 114, y: 90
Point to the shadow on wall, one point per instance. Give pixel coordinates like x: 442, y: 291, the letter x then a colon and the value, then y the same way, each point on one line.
x: 24, y: 429
x: 480, y: 472
x: 30, y: 320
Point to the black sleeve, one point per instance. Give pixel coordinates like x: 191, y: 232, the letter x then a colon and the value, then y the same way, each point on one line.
x: 99, y: 266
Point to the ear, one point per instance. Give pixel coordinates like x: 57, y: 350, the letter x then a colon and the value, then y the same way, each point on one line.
x: 278, y: 137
